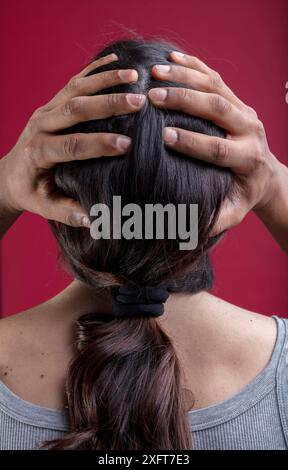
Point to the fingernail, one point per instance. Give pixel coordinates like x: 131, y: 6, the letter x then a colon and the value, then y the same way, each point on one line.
x: 135, y: 100
x: 158, y: 94
x: 170, y: 135
x: 85, y: 222
x: 163, y: 68
x: 123, y: 142
x: 128, y: 75
x: 112, y: 56
x: 178, y: 54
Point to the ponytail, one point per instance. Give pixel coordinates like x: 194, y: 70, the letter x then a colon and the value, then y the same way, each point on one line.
x: 124, y: 388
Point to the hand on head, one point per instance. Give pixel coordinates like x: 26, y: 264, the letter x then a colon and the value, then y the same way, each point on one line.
x: 244, y: 150
x: 26, y: 168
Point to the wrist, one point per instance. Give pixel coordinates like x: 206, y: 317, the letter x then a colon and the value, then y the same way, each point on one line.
x: 6, y: 201
x: 278, y: 197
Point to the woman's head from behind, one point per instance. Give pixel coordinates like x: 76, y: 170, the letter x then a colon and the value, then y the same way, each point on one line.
x: 125, y: 386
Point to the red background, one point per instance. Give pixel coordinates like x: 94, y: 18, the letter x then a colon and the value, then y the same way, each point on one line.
x: 44, y: 43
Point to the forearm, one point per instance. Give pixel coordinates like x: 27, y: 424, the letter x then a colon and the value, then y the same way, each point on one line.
x: 274, y: 215
x: 8, y: 215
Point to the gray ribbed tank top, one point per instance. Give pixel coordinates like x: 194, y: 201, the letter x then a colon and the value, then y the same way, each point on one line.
x: 254, y: 418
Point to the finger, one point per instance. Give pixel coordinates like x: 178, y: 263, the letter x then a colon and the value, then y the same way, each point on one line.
x: 89, y: 85
x: 190, y: 61
x: 205, y: 105
x: 232, y: 212
x: 78, y: 146
x: 211, y: 149
x: 195, y: 63
x: 97, y: 63
x: 177, y: 73
x: 65, y: 210
x: 62, y: 94
x: 195, y: 79
x: 84, y: 108
x: 99, y: 81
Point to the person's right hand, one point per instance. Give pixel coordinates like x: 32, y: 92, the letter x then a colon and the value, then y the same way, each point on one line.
x: 22, y: 170
x: 257, y: 172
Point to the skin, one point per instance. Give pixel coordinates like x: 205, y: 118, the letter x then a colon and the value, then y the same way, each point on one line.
x: 261, y: 181
x: 221, y: 347
x: 25, y: 169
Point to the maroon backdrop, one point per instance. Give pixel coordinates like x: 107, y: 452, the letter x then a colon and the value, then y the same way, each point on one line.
x: 44, y: 43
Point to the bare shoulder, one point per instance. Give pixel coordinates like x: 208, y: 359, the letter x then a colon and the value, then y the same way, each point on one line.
x: 16, y: 333
x: 247, y: 337
x: 33, y: 357
x: 37, y: 345
x: 229, y: 347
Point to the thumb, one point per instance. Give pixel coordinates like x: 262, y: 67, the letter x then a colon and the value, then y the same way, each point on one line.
x: 66, y: 211
x: 231, y: 213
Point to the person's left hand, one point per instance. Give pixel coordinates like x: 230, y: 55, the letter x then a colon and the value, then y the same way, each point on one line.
x: 245, y: 150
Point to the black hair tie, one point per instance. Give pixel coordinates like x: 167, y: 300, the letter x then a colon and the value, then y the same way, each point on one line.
x: 137, y: 300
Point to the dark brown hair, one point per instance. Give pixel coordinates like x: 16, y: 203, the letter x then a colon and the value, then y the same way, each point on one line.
x: 125, y: 386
